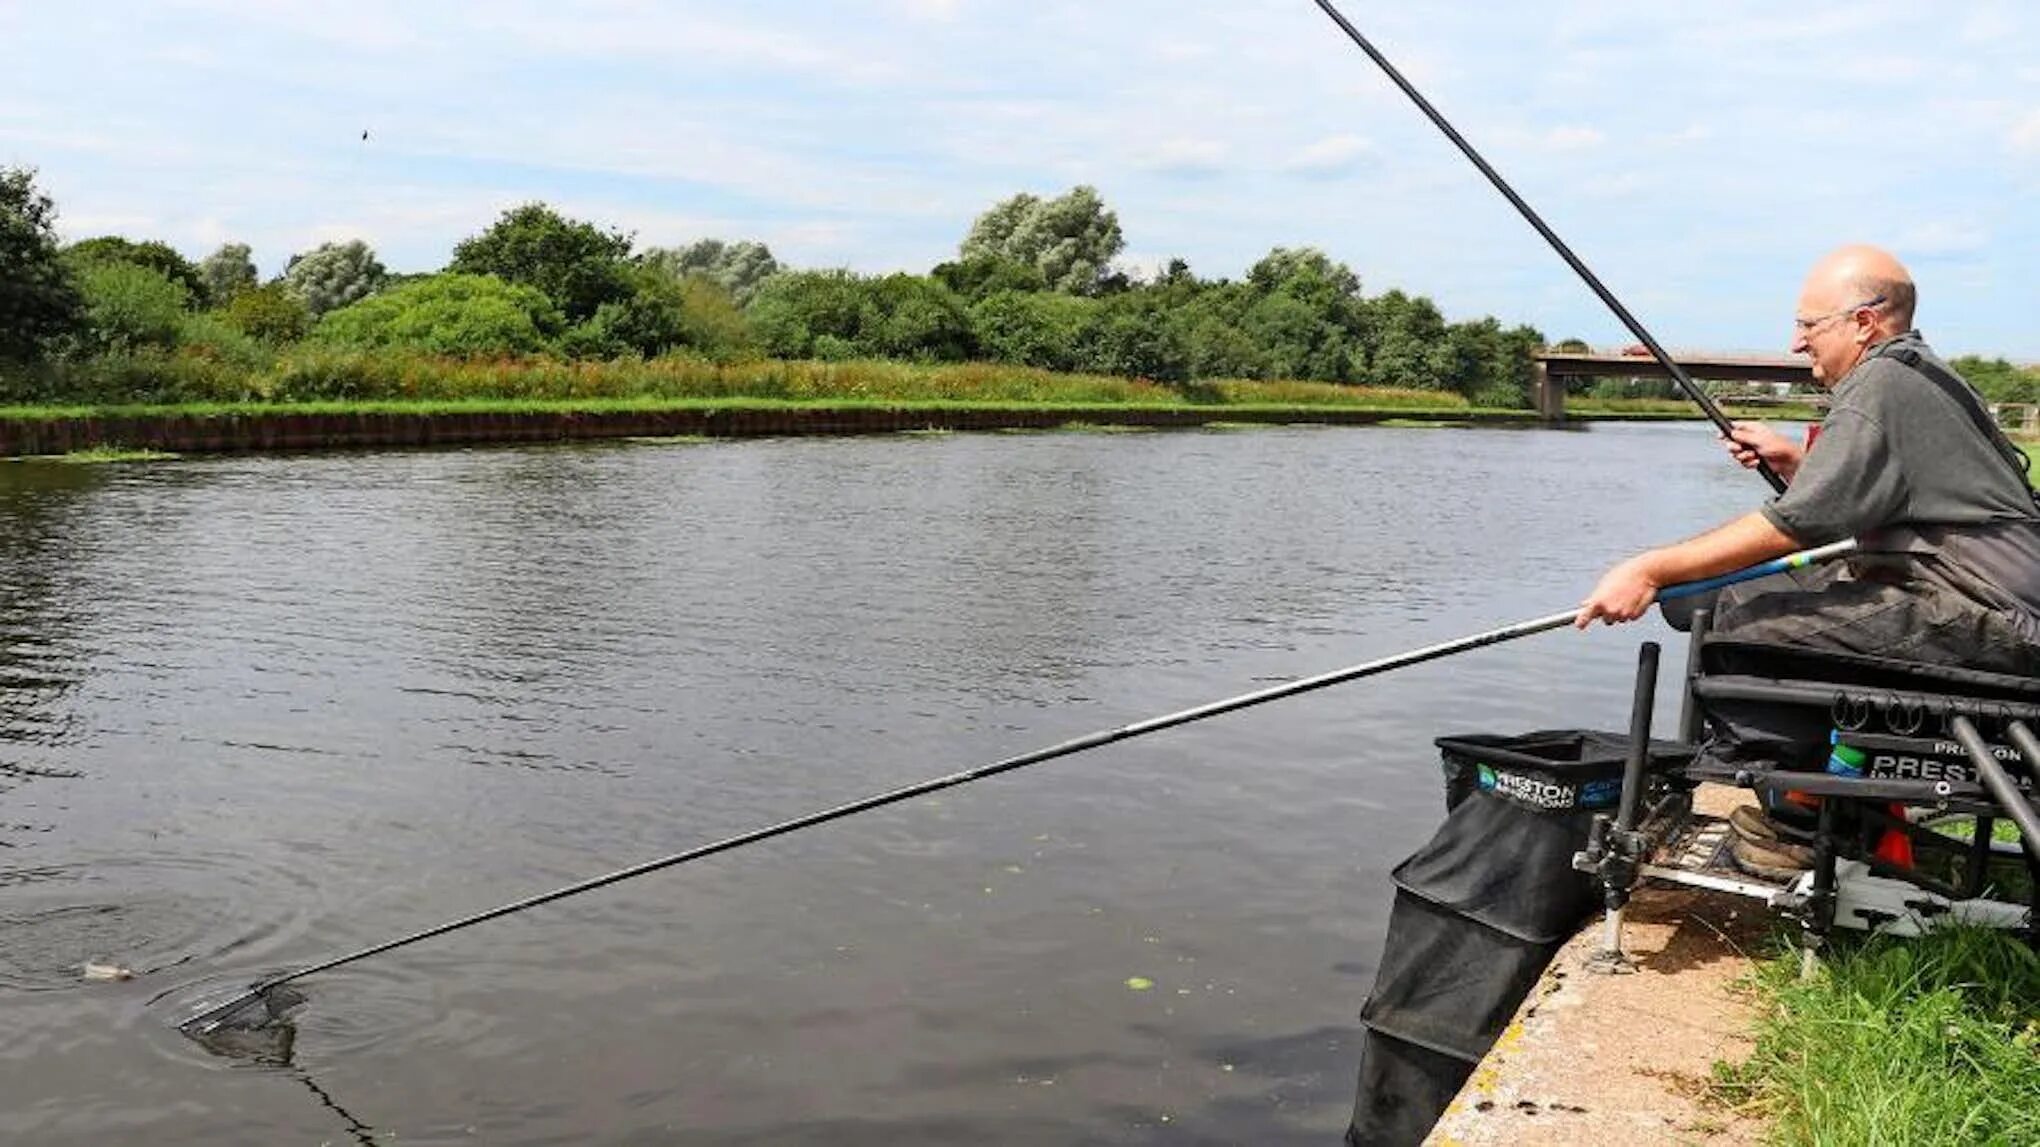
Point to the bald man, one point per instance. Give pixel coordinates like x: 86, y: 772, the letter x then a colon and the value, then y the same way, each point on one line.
x: 1910, y: 464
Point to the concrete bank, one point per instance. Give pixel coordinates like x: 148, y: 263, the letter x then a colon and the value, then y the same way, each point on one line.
x: 1596, y: 1058
x: 285, y: 429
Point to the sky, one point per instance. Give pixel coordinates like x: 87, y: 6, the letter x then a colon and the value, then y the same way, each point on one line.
x: 1697, y: 156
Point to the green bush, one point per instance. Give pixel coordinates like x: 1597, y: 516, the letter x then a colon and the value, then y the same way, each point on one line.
x: 272, y: 312
x: 1136, y: 336
x: 1040, y: 329
x: 838, y: 315
x: 211, y: 335
x: 128, y: 306
x: 664, y: 314
x: 460, y: 315
x: 149, y: 375
x: 713, y: 321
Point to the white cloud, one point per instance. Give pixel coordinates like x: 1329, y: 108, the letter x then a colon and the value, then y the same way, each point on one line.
x: 73, y: 226
x: 1182, y: 51
x: 1331, y: 156
x: 2024, y: 138
x: 1189, y: 158
x: 1943, y: 239
x: 943, y: 10
x: 1573, y: 138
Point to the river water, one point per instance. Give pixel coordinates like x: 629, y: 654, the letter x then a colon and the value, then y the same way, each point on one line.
x: 255, y: 712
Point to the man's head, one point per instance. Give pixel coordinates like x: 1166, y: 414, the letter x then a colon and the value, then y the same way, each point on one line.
x: 1855, y: 297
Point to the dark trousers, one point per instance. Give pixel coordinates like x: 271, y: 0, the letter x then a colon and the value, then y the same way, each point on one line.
x: 1914, y: 619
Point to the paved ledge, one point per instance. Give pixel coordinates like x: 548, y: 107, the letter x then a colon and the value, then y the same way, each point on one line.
x: 1619, y: 1059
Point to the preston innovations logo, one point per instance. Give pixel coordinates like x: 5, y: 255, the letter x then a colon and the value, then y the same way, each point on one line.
x: 1545, y: 794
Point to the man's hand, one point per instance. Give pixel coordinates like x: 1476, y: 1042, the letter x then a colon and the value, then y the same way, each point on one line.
x: 1624, y: 594
x: 1753, y: 442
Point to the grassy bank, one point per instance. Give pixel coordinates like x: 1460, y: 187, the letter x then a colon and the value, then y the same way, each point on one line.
x: 1928, y: 1041
x: 312, y: 381
x: 626, y: 405
x: 1680, y: 408
x: 359, y: 376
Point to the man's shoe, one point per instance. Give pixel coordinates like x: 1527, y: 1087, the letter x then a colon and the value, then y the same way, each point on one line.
x: 1776, y: 860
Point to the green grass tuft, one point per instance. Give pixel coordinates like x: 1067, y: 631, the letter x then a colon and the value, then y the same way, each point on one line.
x: 98, y: 454
x: 1903, y: 1042
x: 1102, y: 428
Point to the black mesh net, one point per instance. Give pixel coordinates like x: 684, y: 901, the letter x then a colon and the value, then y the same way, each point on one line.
x: 1479, y: 912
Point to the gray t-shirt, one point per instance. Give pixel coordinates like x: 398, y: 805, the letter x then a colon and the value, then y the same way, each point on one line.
x: 1902, y: 466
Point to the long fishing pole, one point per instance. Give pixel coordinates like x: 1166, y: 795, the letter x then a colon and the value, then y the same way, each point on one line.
x: 1578, y: 265
x: 213, y: 1018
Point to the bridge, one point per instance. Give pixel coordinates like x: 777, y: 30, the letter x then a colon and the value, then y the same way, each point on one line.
x: 1554, y: 368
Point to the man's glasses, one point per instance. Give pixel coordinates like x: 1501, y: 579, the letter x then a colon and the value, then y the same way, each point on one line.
x: 1808, y: 326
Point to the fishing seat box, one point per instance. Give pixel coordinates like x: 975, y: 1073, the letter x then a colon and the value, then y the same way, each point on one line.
x: 1909, y: 755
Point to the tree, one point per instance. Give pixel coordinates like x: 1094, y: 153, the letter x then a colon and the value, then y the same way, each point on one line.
x: 1071, y: 240
x: 1306, y: 273
x: 271, y: 312
x: 1998, y: 379
x: 154, y: 254
x: 1406, y: 345
x: 332, y: 275
x: 736, y: 267
x: 450, y: 314
x: 39, y: 301
x: 981, y: 276
x: 577, y: 265
x: 226, y: 273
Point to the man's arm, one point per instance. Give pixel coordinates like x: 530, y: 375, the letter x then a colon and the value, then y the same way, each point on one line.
x: 1626, y: 591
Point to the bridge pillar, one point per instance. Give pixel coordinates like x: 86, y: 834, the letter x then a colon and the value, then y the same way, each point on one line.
x: 1547, y: 393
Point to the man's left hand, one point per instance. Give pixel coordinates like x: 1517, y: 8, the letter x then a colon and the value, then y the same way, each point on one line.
x: 1624, y: 594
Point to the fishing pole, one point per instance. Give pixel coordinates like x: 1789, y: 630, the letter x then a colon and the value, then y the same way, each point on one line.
x: 1579, y: 266
x: 212, y: 1019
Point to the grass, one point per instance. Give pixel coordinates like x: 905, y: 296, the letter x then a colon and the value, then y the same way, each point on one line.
x: 1963, y: 828
x: 1928, y: 1041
